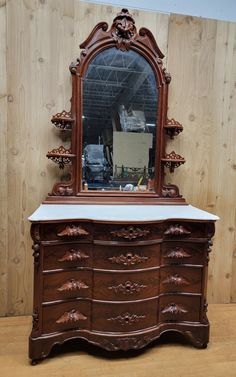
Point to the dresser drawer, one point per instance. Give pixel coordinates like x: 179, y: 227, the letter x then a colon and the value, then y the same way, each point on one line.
x: 67, y: 284
x: 126, y: 257
x: 123, y: 317
x: 180, y: 252
x: 67, y: 255
x: 128, y: 233
x: 180, y: 308
x: 180, y: 279
x: 65, y: 316
x: 181, y: 229
x: 126, y: 286
x: 68, y: 231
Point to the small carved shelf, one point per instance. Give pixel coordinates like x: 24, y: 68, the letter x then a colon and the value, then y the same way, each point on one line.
x: 61, y: 156
x: 173, y: 128
x: 172, y: 161
x: 63, y: 120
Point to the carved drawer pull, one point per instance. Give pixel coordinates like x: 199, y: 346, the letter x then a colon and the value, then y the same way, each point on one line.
x: 130, y: 233
x: 176, y: 280
x: 128, y: 288
x: 174, y: 309
x: 176, y: 230
x: 127, y: 319
x: 73, y: 231
x: 71, y: 316
x: 73, y: 255
x: 72, y: 285
x: 128, y: 259
x: 177, y: 252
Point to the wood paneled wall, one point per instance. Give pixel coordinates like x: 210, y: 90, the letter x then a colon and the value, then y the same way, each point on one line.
x: 38, y: 40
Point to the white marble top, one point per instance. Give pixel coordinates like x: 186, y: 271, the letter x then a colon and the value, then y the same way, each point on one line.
x: 138, y: 213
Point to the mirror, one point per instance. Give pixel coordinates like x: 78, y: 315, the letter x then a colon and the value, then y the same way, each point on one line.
x: 120, y: 101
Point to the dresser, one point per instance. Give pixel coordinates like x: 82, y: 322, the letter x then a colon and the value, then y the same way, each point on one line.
x: 119, y: 276
x: 119, y: 256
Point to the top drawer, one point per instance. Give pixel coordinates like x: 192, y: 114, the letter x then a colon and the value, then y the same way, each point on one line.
x: 128, y: 233
x: 68, y: 231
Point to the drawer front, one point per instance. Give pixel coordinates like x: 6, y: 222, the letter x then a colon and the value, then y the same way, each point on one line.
x: 181, y: 229
x: 180, y: 279
x: 126, y: 286
x: 68, y: 231
x: 176, y: 308
x: 183, y: 253
x: 128, y: 233
x: 116, y: 317
x: 67, y: 255
x: 65, y: 316
x: 126, y: 257
x: 65, y: 285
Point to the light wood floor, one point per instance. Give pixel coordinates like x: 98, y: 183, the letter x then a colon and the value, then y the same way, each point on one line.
x: 162, y: 360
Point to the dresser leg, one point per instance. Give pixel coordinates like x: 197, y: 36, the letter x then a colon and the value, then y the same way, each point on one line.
x: 199, y: 337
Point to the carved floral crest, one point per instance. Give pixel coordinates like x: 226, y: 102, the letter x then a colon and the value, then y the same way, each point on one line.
x: 123, y: 29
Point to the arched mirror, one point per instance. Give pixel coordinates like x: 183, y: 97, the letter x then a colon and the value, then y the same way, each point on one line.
x: 118, y: 120
x: 120, y: 97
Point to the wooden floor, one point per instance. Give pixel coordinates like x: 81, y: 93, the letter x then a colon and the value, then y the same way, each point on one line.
x: 163, y: 359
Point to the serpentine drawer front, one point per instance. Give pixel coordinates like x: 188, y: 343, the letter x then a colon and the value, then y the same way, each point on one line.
x: 119, y: 285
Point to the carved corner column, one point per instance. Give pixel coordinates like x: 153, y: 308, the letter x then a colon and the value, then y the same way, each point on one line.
x: 37, y: 311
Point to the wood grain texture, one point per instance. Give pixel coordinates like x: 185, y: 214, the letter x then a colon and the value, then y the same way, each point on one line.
x: 3, y: 160
x: 42, y: 38
x: 218, y: 360
x: 201, y: 58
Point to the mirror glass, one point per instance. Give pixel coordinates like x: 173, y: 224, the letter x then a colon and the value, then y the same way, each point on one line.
x: 120, y: 98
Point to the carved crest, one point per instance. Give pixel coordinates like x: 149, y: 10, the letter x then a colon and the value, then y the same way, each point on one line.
x: 176, y: 230
x: 123, y: 29
x: 72, y: 285
x: 129, y: 259
x: 73, y: 231
x: 73, y: 255
x: 176, y: 280
x: 174, y: 309
x: 127, y: 319
x: 71, y: 316
x: 177, y: 252
x: 130, y: 233
x: 128, y: 288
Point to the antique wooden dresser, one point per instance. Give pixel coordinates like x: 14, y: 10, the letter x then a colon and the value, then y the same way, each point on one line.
x: 119, y: 257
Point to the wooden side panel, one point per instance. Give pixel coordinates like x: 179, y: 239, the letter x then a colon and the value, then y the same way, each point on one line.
x: 3, y: 161
x: 201, y: 58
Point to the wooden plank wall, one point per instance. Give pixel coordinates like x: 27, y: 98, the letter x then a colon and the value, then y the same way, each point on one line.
x: 38, y: 40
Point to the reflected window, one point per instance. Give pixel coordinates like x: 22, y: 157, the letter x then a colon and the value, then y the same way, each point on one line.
x: 119, y: 123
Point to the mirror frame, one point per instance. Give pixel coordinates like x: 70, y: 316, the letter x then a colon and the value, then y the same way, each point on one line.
x: 124, y: 36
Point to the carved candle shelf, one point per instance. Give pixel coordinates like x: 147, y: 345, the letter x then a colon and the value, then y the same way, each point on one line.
x: 172, y: 161
x: 63, y: 120
x: 61, y: 156
x: 173, y: 128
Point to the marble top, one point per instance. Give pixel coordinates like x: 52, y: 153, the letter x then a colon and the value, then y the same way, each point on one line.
x: 126, y: 213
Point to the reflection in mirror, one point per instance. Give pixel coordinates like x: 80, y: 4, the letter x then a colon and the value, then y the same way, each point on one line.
x: 119, y: 123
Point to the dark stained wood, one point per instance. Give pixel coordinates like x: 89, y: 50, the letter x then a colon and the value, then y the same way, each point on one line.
x: 119, y: 285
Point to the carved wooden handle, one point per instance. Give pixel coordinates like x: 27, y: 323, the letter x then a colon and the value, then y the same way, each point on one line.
x: 73, y: 231
x: 128, y: 259
x: 177, y: 252
x: 71, y: 316
x: 176, y: 280
x: 128, y: 288
x: 130, y: 233
x: 127, y: 319
x: 176, y: 230
x: 73, y: 255
x: 174, y: 309
x: 72, y: 285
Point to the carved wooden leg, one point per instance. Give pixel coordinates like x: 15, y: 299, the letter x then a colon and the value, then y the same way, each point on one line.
x: 198, y: 338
